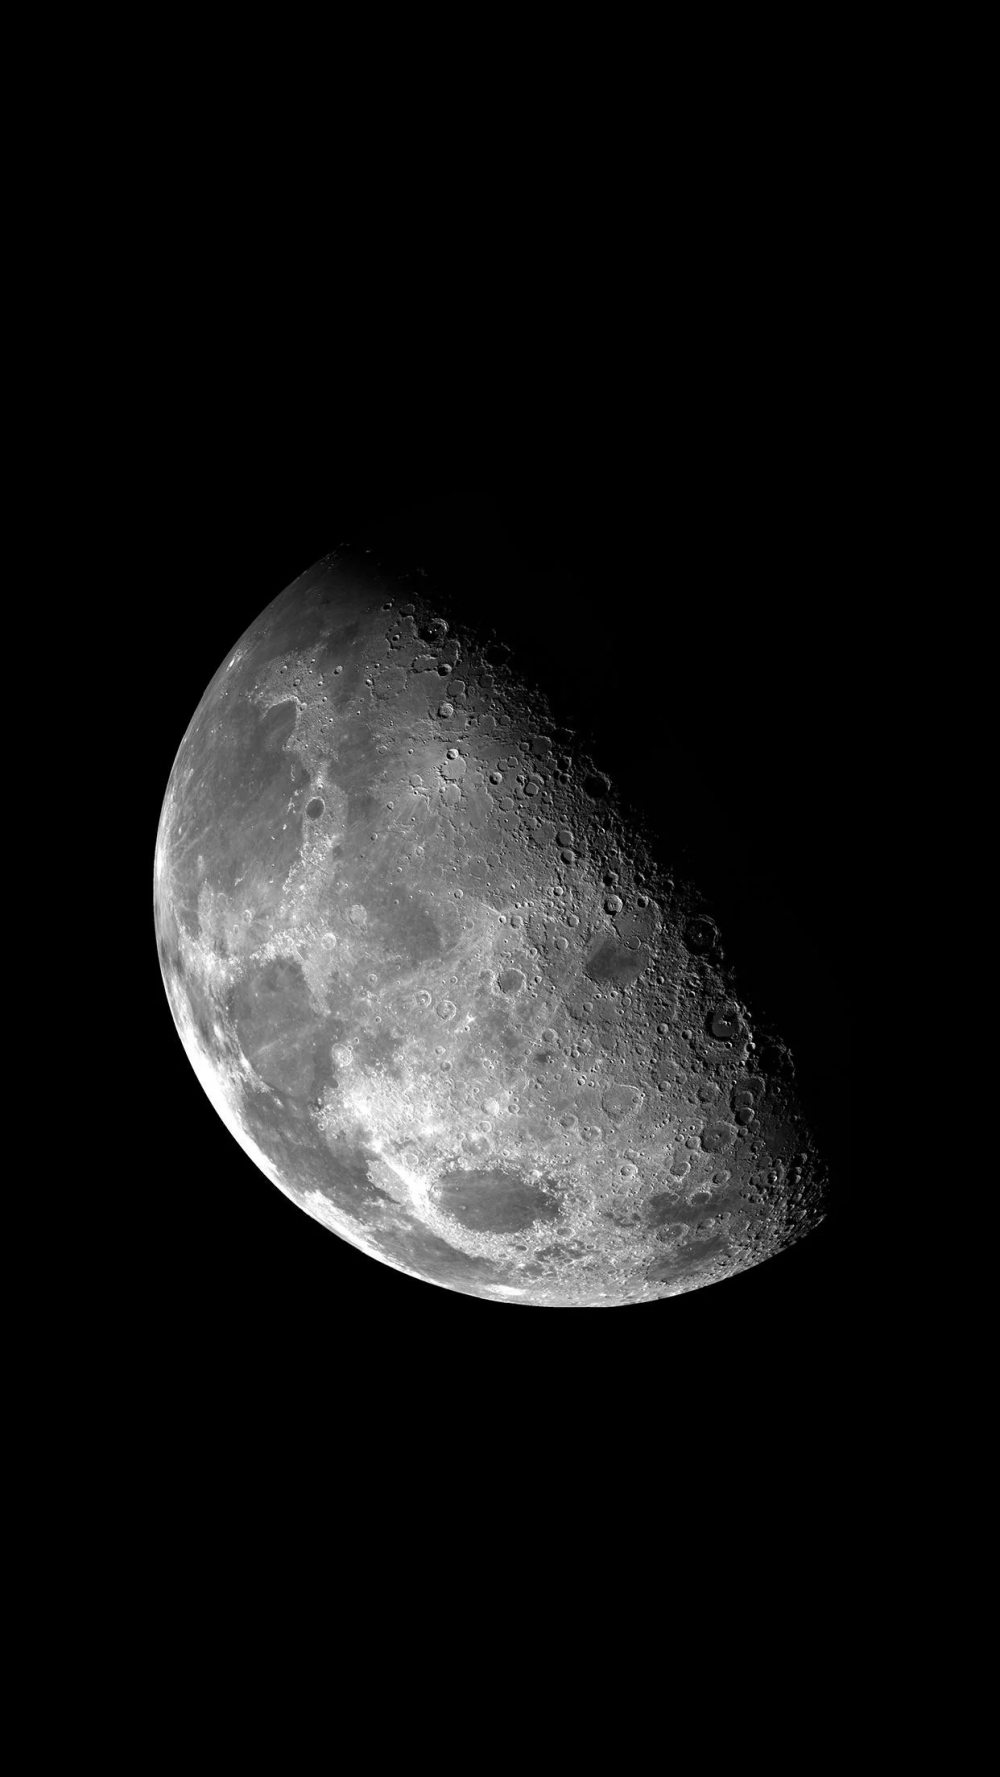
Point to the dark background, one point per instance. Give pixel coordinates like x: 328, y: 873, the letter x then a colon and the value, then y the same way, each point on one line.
x: 668, y: 386
x: 689, y: 592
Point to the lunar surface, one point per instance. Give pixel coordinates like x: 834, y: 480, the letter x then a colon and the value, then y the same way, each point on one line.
x: 436, y: 983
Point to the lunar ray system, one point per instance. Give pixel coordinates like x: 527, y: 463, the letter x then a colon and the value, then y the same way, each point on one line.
x: 438, y: 983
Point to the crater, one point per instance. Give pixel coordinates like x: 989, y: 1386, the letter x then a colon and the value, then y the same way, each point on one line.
x: 724, y: 1023
x: 664, y: 1210
x: 495, y: 1202
x: 687, y: 1258
x: 510, y: 981
x: 619, y: 1101
x: 613, y: 962
x: 716, y: 1137
x: 701, y: 933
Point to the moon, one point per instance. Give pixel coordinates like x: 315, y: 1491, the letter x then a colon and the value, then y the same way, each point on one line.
x: 439, y: 984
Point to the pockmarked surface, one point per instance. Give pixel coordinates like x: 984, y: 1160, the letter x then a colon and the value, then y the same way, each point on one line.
x: 437, y: 984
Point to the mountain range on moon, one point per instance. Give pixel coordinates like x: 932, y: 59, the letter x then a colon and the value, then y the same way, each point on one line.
x: 440, y: 981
